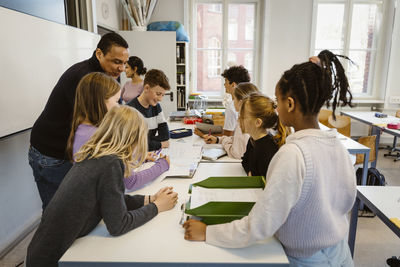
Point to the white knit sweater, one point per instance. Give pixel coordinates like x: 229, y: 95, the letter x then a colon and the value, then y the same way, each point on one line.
x: 235, y: 145
x: 311, y: 186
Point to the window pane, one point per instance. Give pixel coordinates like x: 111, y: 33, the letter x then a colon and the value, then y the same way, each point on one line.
x: 209, y: 23
x: 209, y: 71
x: 242, y: 57
x: 363, y: 26
x: 241, y: 25
x: 359, y: 74
x: 329, y: 31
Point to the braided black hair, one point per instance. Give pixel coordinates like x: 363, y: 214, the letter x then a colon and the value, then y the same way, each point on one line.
x: 313, y: 85
x: 138, y: 63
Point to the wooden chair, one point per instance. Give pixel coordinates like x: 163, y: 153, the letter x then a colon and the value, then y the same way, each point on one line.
x: 368, y: 141
x: 342, y: 124
x: 324, y: 115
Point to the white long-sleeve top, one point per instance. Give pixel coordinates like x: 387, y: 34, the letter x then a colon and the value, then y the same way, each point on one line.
x: 310, y: 189
x: 235, y: 145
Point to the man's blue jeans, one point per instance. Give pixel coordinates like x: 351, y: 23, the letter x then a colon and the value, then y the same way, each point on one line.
x: 48, y: 172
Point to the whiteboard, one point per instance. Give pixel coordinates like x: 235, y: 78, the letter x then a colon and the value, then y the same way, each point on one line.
x: 34, y: 53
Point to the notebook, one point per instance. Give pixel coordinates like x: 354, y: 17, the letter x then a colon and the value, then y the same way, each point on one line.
x: 213, y: 153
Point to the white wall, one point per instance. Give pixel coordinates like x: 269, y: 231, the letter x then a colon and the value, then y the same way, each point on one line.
x: 169, y: 10
x: 287, y: 28
x: 108, y: 14
x: 20, y: 206
x: 393, y: 82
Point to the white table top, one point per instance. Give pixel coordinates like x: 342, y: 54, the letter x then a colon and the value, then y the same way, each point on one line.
x: 385, y: 198
x: 161, y: 241
x: 369, y: 117
x: 351, y: 145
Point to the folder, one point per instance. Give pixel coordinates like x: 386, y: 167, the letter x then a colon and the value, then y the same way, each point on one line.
x: 216, y: 212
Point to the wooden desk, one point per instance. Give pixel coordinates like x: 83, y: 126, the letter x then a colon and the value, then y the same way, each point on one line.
x: 384, y: 201
x: 368, y: 117
x: 160, y: 242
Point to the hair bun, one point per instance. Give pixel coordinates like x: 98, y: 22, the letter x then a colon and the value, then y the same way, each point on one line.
x: 143, y: 72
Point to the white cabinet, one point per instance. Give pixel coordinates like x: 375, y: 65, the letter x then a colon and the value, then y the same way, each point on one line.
x: 157, y: 49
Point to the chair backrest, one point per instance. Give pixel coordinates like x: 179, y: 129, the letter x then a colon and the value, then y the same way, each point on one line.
x: 398, y: 113
x: 323, y: 116
x: 368, y: 141
x: 342, y: 124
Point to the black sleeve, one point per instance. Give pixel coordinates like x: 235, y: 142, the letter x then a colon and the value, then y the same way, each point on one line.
x: 270, y: 149
x: 114, y: 210
x: 246, y: 157
x: 153, y: 144
x: 134, y: 202
x: 163, y: 132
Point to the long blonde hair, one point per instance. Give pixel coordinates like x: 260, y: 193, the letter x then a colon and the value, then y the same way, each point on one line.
x: 263, y: 107
x: 123, y: 132
x: 243, y: 90
x: 90, y: 102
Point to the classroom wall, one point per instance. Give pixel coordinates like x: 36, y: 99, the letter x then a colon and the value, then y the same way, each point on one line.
x: 287, y: 31
x: 20, y: 206
x: 108, y: 14
x: 168, y: 10
x: 393, y: 82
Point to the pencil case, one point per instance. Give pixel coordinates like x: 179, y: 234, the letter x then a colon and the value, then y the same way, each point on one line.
x: 380, y: 115
x: 395, y: 126
x: 179, y: 133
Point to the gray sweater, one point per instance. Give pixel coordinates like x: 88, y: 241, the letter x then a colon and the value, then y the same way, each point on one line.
x: 92, y: 190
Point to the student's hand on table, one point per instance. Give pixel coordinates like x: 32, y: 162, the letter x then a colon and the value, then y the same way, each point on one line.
x: 165, y: 144
x: 195, y: 230
x: 249, y: 174
x: 151, y: 156
x: 166, y: 158
x: 165, y: 199
x: 209, y: 139
x: 198, y: 132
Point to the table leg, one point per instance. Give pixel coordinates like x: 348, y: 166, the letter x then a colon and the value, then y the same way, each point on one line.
x: 353, y: 226
x: 376, y: 131
x: 364, y: 174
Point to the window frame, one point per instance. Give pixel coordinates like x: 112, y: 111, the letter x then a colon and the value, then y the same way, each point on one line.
x: 224, y: 49
x: 380, y: 61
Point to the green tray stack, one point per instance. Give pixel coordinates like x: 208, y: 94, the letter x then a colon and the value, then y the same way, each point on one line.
x: 224, y: 212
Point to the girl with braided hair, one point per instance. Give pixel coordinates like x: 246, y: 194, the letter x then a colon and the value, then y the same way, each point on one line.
x: 311, y: 183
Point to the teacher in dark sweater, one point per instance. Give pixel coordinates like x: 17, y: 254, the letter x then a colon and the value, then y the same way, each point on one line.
x: 50, y: 132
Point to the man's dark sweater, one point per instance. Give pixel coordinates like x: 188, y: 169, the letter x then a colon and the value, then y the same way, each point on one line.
x: 92, y: 190
x: 51, y: 130
x: 158, y: 127
x: 258, y: 155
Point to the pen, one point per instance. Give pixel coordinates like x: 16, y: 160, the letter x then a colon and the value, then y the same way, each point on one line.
x: 209, y: 131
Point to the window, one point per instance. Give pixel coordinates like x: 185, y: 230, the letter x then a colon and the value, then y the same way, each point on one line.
x: 214, y: 58
x: 220, y: 40
x: 353, y: 28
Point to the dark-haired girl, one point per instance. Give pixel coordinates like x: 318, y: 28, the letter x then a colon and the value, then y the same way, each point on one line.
x: 310, y: 181
x: 134, y: 69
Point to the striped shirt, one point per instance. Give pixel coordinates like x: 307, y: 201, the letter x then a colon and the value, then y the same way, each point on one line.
x: 158, y: 127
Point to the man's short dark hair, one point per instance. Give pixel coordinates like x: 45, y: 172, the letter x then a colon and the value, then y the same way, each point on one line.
x: 110, y: 39
x: 156, y: 78
x: 237, y: 74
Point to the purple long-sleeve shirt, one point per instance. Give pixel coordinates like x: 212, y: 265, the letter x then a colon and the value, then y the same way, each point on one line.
x: 136, y: 179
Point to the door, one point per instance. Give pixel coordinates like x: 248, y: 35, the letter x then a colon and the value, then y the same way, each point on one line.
x: 158, y: 51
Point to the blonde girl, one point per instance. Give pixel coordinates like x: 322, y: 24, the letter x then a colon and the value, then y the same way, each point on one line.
x: 259, y: 119
x: 93, y: 189
x: 235, y: 145
x: 311, y: 183
x: 95, y: 95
